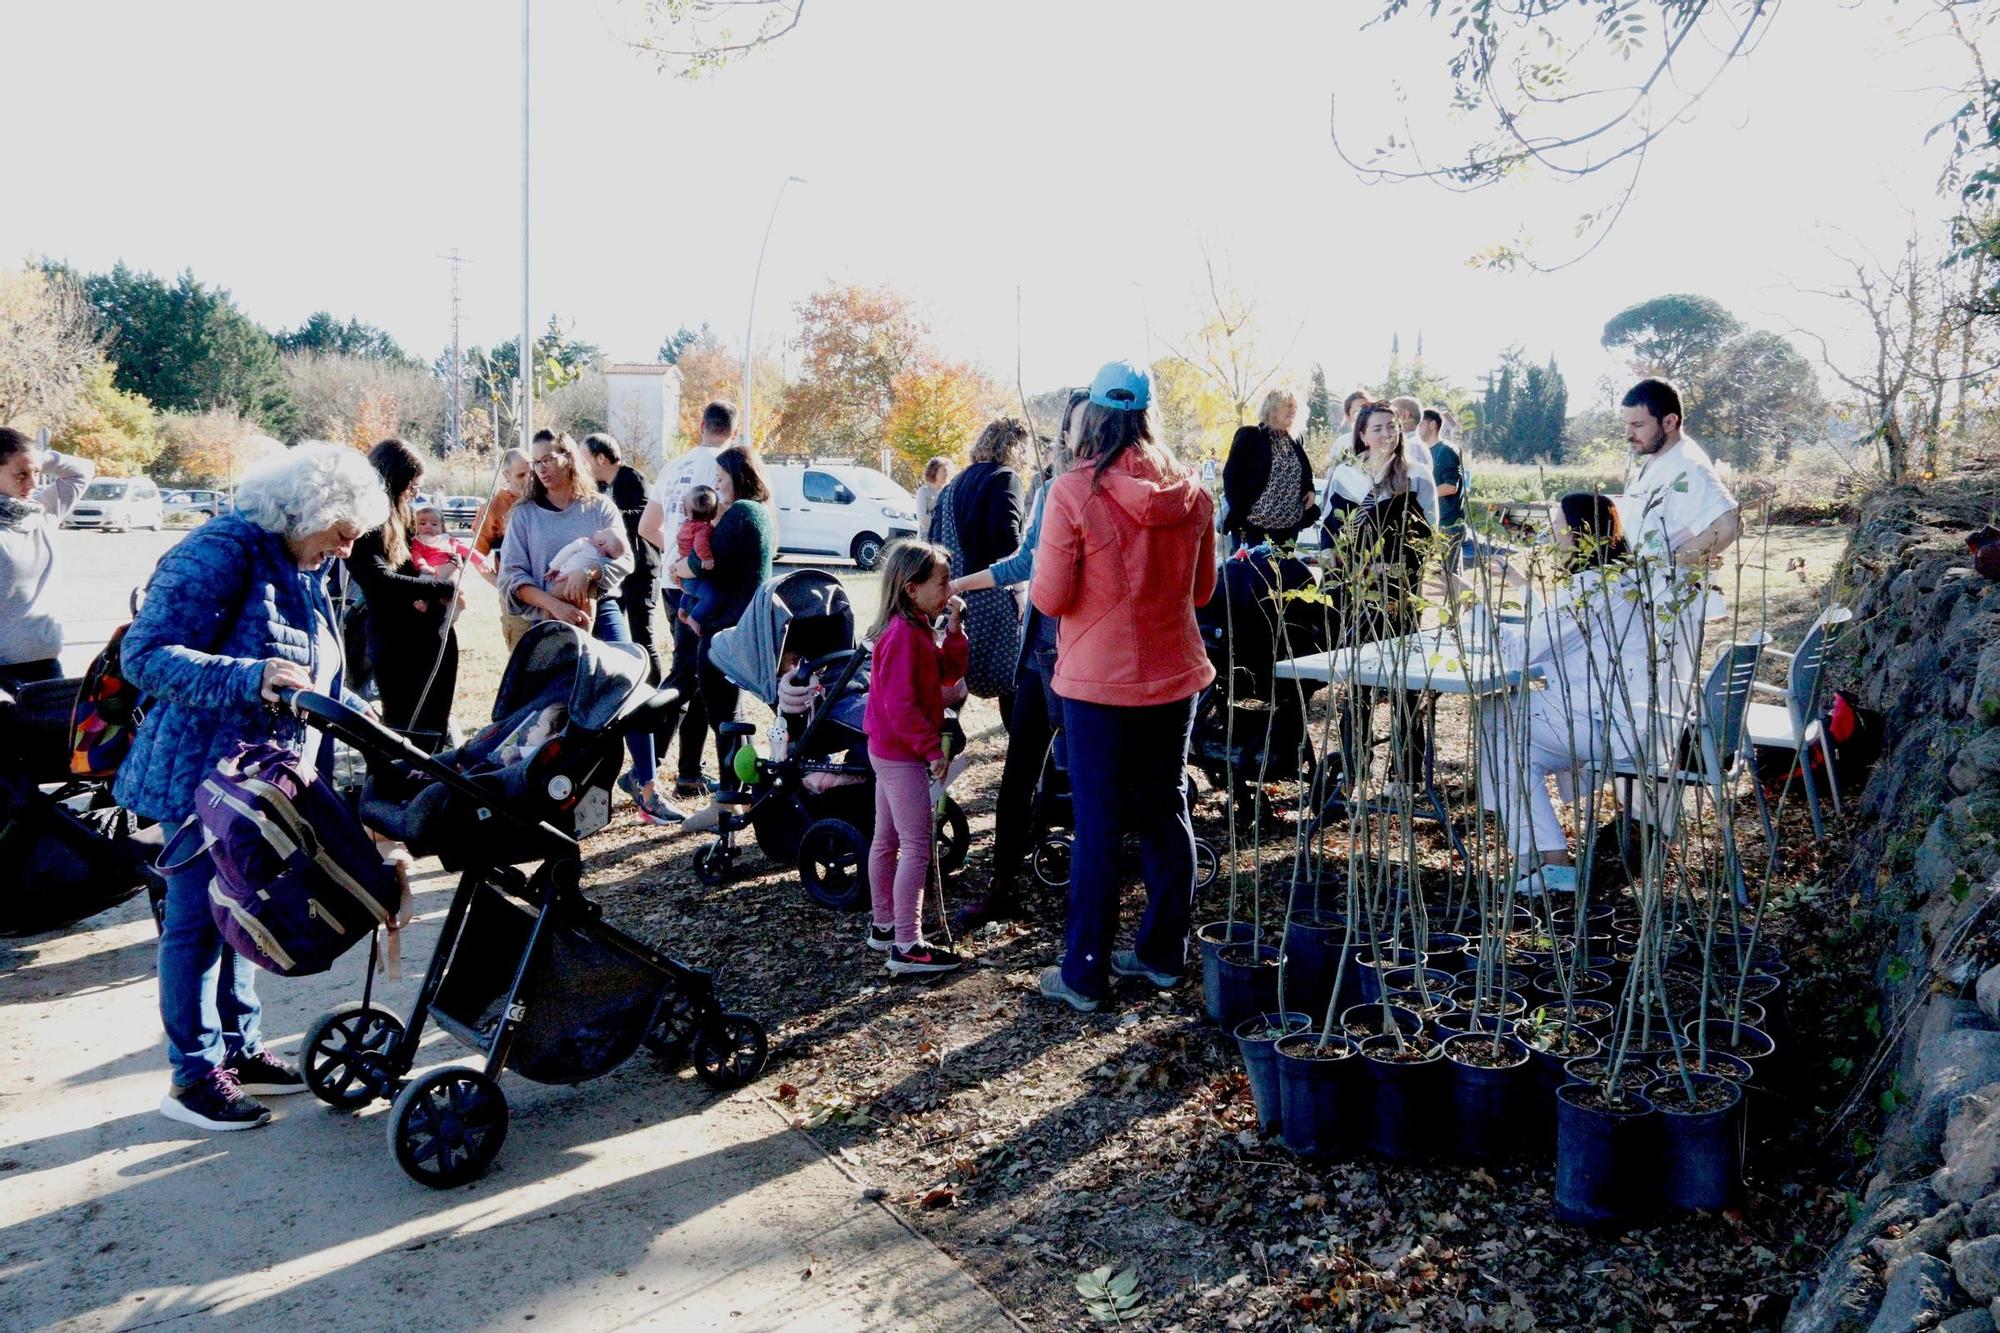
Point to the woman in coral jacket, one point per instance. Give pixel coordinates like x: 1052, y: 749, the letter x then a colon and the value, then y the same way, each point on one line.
x: 1127, y: 553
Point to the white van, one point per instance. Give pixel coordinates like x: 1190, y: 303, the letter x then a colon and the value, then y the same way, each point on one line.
x: 118, y: 504
x: 839, y: 509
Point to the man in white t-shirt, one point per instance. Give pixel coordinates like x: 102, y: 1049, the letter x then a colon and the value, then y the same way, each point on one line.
x: 1675, y: 505
x: 658, y: 525
x: 1678, y: 518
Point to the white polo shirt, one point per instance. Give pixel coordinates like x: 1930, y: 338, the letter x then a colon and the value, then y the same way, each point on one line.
x: 1672, y: 496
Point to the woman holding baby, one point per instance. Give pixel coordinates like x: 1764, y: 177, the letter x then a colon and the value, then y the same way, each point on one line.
x: 564, y: 558
x: 411, y: 642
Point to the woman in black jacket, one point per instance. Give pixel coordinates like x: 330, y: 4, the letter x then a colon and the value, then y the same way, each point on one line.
x: 1267, y: 484
x: 978, y: 518
x: 409, y: 615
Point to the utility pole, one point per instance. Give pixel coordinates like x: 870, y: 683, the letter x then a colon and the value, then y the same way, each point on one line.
x: 457, y: 431
x: 525, y: 358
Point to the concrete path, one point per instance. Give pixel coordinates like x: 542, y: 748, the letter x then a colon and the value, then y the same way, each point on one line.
x: 636, y: 1200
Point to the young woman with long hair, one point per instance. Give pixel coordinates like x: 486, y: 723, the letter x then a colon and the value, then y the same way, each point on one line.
x: 411, y: 643
x: 1127, y: 552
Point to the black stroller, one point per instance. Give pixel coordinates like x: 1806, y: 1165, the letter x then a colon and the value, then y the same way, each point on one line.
x: 1248, y: 626
x: 813, y: 803
x: 525, y: 972
x: 67, y: 849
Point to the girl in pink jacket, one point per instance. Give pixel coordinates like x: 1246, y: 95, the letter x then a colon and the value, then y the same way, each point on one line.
x: 905, y: 725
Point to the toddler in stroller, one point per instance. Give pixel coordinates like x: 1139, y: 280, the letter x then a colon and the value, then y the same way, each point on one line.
x: 811, y: 797
x: 526, y: 972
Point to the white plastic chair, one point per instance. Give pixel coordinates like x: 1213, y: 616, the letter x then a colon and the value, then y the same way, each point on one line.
x: 1794, y: 724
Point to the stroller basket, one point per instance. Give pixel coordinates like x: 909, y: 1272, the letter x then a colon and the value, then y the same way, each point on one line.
x: 585, y: 1009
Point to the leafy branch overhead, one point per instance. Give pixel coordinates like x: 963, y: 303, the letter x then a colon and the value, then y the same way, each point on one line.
x: 691, y: 38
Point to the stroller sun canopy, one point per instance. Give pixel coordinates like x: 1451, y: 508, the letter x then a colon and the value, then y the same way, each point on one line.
x: 557, y: 663
x: 748, y: 652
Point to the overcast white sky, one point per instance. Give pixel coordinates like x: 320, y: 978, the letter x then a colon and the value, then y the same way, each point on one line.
x: 326, y: 155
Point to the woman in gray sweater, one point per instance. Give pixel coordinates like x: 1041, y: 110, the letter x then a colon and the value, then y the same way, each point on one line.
x: 36, y: 490
x: 563, y: 506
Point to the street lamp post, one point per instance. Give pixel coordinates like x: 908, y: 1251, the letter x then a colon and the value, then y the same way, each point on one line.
x: 743, y: 408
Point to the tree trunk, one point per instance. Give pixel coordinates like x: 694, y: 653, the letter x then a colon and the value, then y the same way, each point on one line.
x: 1895, y: 449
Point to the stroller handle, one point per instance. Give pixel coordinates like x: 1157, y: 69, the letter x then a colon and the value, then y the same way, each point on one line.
x: 847, y: 658
x: 369, y: 736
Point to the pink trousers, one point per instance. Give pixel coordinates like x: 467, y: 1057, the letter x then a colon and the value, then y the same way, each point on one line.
x: 900, y: 857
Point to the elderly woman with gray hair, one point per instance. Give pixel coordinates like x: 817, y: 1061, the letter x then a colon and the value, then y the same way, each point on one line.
x: 235, y: 613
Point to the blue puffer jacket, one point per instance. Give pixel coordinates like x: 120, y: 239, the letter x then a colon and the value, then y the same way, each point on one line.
x: 226, y: 598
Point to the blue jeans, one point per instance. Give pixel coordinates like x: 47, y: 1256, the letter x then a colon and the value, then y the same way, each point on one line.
x: 208, y: 995
x: 611, y: 628
x: 1128, y: 770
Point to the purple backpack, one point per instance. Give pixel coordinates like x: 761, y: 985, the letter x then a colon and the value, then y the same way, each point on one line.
x: 298, y: 881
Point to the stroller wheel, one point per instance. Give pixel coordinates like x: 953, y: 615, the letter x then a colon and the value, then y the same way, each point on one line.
x: 1051, y: 861
x: 1206, y: 866
x: 954, y: 838
x: 732, y: 1052
x: 673, y: 1028
x: 711, y: 864
x: 832, y: 864
x: 447, y: 1126
x: 345, y: 1060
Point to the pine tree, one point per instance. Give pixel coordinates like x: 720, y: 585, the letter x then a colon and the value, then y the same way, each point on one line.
x: 1319, y: 406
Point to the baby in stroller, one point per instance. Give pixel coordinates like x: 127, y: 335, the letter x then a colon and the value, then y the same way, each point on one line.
x: 810, y: 798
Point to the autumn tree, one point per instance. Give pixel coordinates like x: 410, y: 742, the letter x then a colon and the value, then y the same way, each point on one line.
x: 114, y: 429
x: 939, y: 407
x: 48, y: 346
x: 854, y: 344
x: 1195, y: 416
x: 208, y: 448
x: 334, y: 391
x: 712, y: 373
x: 1228, y: 347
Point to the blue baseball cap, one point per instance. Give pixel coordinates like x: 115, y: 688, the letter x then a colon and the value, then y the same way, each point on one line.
x: 1122, y: 387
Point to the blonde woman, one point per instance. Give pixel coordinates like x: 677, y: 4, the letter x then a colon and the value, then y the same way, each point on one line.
x: 1267, y: 484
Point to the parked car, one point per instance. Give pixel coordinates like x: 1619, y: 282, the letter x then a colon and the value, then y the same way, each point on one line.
x: 461, y: 511
x: 209, y: 503
x: 117, y: 504
x: 839, y: 509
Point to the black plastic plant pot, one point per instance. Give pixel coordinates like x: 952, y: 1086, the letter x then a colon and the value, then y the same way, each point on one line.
x: 1404, y: 1089
x: 1608, y: 1166
x: 1313, y: 942
x: 1546, y: 1073
x: 1361, y: 1021
x: 1488, y: 1086
x: 1427, y: 1005
x: 1444, y: 950
x: 1255, y: 1037
x: 1506, y: 1003
x: 1408, y: 978
x: 1547, y: 987
x: 1462, y: 1020
x: 1375, y: 962
x: 1634, y: 1075
x: 1316, y: 1094
x: 1506, y: 978
x: 1742, y: 1040
x: 1211, y: 938
x: 1246, y: 978
x: 1701, y: 1140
